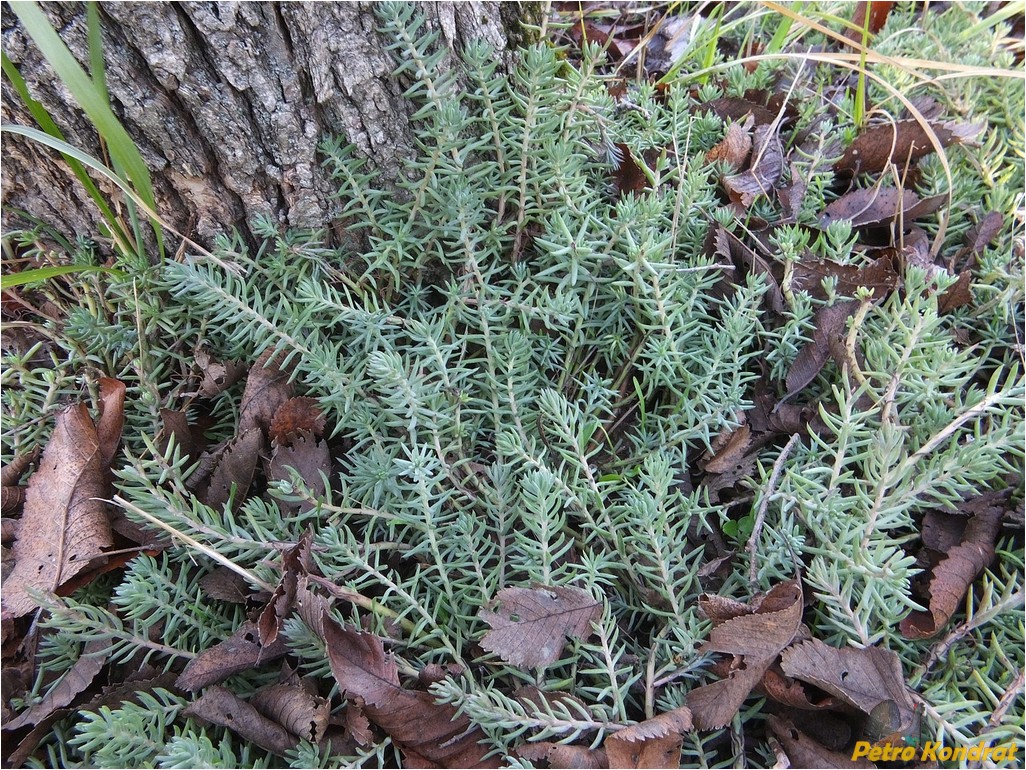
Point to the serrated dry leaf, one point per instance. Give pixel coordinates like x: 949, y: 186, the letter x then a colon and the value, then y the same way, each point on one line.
x: 294, y: 565
x: 901, y: 142
x: 878, y: 275
x: 956, y: 295
x: 298, y: 417
x: 728, y: 456
x: 735, y: 109
x: 629, y: 176
x: 956, y: 572
x: 220, y: 707
x: 656, y: 752
x: 356, y: 725
x: 764, y: 172
x: 563, y: 756
x: 310, y: 458
x: 112, y: 419
x: 267, y: 388
x: 64, y: 524
x: 532, y: 624
x: 746, y: 261
x: 423, y: 729
x: 803, y: 751
x: 234, y: 467
x: 226, y: 585
x: 218, y: 376
x: 758, y: 637
x: 863, y: 678
x: 675, y: 722
x: 296, y: 709
x: 239, y: 652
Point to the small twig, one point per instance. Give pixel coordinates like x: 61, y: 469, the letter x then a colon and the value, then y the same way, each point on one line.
x: 760, y: 517
x: 1014, y: 689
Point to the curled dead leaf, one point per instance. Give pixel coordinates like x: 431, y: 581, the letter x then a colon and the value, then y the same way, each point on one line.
x: 956, y: 572
x: 296, y: 709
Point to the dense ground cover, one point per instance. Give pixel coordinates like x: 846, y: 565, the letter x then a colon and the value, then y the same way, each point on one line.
x: 670, y: 414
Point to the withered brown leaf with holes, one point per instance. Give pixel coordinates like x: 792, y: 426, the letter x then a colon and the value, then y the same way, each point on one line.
x: 803, y: 751
x: 64, y: 525
x: 531, y: 625
x: 239, y: 652
x: 863, y: 678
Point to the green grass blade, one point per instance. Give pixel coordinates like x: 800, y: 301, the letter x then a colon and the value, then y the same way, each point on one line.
x: 45, y: 121
x: 97, y: 68
x: 40, y: 274
x: 90, y: 98
x: 87, y: 160
x: 93, y: 99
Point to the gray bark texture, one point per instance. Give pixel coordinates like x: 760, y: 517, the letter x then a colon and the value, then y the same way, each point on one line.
x: 227, y: 102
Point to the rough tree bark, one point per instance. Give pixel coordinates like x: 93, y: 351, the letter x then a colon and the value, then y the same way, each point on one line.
x: 227, y: 102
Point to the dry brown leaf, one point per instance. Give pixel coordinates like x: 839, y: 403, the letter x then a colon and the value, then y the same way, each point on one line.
x: 728, y: 245
x: 310, y: 458
x: 827, y: 340
x: 730, y: 454
x: 64, y: 524
x: 675, y: 722
x: 956, y: 572
x: 957, y: 294
x: 532, y: 624
x: 863, y: 678
x: 356, y: 724
x: 234, y: 468
x: 220, y: 707
x: 267, y: 388
x: 878, y: 275
x: 878, y: 205
x: 225, y: 585
x: 733, y: 149
x: 75, y: 680
x: 805, y: 752
x: 296, y: 418
x: 902, y: 142
x: 423, y: 729
x: 560, y: 755
x: 629, y: 176
x: 735, y: 109
x: 978, y: 238
x: 758, y: 637
x: 655, y: 752
x: 112, y: 418
x: 766, y: 167
x: 296, y: 709
x: 294, y: 565
x: 218, y: 376
x: 239, y: 652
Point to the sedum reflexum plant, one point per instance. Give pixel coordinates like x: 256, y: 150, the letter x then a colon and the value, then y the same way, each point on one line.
x: 525, y: 371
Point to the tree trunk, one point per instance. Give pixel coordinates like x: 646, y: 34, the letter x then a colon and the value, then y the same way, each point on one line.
x: 227, y: 102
